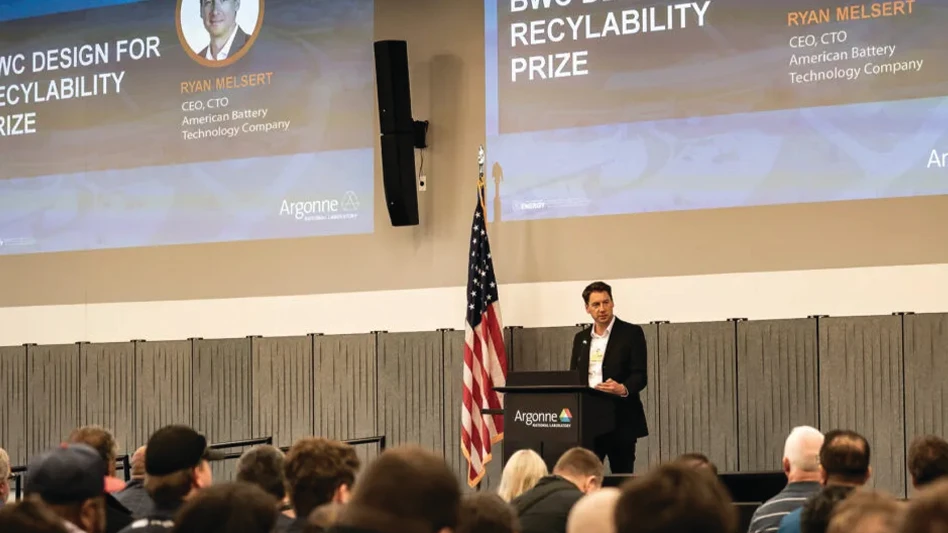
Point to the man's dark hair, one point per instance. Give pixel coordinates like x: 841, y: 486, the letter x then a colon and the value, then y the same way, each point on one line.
x: 407, y: 487
x: 486, y: 512
x: 99, y: 439
x: 596, y: 286
x: 845, y: 456
x: 928, y: 460
x: 30, y: 516
x: 817, y: 511
x: 228, y: 508
x: 675, y: 497
x: 315, y: 469
x: 697, y: 460
x: 263, y: 466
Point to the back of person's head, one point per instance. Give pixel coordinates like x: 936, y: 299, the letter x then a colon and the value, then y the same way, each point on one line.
x: 521, y: 473
x: 138, y: 463
x: 844, y: 458
x: 319, y: 471
x: 818, y: 510
x: 323, y: 517
x: 866, y: 512
x: 697, y: 460
x: 406, y: 490
x: 581, y: 467
x: 70, y: 480
x: 594, y: 512
x: 264, y: 466
x: 228, y: 508
x: 176, y: 464
x: 101, y: 440
x: 927, y: 511
x: 4, y: 476
x: 928, y: 460
x: 30, y: 516
x: 486, y: 512
x: 675, y: 498
x: 801, y: 452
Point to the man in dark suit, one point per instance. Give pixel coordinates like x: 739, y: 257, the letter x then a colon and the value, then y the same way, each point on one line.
x: 220, y: 21
x: 613, y: 355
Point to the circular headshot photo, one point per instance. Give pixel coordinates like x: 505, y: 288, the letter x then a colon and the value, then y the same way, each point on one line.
x: 217, y: 33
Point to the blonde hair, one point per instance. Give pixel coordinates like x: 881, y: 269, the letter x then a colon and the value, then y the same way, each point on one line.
x: 521, y: 473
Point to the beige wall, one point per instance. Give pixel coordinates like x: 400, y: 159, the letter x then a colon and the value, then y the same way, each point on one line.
x: 446, y: 48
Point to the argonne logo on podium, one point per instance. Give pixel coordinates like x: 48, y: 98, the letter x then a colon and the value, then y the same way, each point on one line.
x: 545, y: 419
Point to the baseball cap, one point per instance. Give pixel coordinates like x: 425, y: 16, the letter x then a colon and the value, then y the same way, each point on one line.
x: 177, y: 447
x: 71, y: 473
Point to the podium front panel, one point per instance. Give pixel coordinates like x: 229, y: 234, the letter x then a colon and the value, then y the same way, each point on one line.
x: 542, y: 418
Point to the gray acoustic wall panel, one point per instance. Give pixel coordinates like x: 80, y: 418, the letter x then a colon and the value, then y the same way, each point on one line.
x: 221, y: 388
x: 52, y: 396
x: 283, y: 388
x: 107, y: 385
x: 163, y: 387
x: 697, y: 391
x: 926, y: 376
x: 777, y: 387
x: 346, y: 380
x: 542, y: 348
x: 411, y: 389
x: 648, y: 450
x: 13, y: 403
x: 861, y: 389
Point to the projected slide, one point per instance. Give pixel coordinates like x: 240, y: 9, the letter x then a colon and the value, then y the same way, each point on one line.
x: 609, y: 107
x: 127, y: 123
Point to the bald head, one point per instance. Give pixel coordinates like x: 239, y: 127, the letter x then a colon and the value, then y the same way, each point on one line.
x: 138, y: 463
x: 801, y: 454
x: 594, y: 512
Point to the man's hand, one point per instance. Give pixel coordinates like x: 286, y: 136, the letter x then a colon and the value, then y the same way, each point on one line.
x: 612, y: 387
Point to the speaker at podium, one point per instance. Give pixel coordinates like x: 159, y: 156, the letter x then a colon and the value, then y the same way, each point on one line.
x: 551, y: 412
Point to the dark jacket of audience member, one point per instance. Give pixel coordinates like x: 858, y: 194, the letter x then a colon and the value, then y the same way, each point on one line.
x: 134, y: 496
x: 545, y: 508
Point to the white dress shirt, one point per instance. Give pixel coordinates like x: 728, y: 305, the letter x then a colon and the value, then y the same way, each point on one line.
x: 597, y: 352
x: 225, y: 51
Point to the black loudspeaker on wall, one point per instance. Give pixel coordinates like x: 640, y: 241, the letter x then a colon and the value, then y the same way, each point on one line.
x: 398, y: 132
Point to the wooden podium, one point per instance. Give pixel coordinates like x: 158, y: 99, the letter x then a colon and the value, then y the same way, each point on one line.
x: 551, y: 412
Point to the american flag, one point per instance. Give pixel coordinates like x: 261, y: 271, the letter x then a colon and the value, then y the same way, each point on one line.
x: 485, y: 358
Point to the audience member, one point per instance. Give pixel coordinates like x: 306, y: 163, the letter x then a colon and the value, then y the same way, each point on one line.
x: 697, y: 460
x: 521, y: 473
x: 844, y: 461
x: 30, y: 516
x: 117, y: 516
x: 134, y: 496
x: 545, y: 508
x: 264, y: 466
x: 927, y: 512
x: 228, y: 508
x: 594, y: 512
x: 4, y: 477
x: 176, y: 468
x: 675, y: 498
x: 405, y: 490
x: 928, y: 460
x: 70, y: 480
x: 486, y: 512
x: 816, y: 512
x: 102, y: 441
x: 866, y: 512
x: 324, y: 517
x: 318, y: 471
x: 801, y: 464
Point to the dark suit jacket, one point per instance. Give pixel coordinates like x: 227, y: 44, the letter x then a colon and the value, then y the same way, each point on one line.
x: 240, y: 40
x: 625, y: 361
